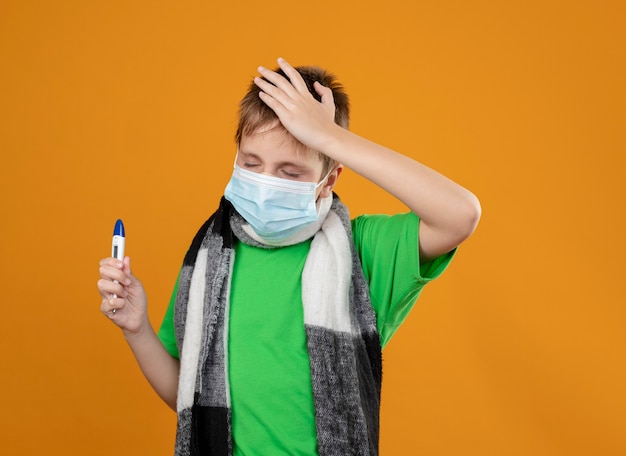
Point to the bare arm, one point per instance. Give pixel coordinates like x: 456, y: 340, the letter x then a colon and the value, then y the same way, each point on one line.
x: 129, y: 312
x: 158, y: 366
x: 449, y: 213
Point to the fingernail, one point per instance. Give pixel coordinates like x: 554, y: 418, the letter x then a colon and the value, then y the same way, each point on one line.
x: 261, y: 68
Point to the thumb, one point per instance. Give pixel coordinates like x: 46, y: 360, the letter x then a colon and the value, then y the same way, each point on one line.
x: 327, y: 95
x: 126, y: 267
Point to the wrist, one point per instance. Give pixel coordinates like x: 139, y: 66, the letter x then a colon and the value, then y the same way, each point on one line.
x: 133, y: 334
x: 331, y: 142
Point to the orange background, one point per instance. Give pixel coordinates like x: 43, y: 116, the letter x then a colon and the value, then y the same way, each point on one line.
x: 127, y: 109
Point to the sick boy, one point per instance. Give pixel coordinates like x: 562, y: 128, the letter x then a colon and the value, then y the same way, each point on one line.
x: 272, y: 341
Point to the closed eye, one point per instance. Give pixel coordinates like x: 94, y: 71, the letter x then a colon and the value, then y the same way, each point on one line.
x: 291, y: 175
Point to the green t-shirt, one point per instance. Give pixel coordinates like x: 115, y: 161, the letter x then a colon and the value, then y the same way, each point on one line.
x: 268, y: 363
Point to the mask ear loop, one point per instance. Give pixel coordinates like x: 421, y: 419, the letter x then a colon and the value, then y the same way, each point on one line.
x: 318, y: 200
x: 319, y: 184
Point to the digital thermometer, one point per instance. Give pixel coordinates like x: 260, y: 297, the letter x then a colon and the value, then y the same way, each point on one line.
x: 118, y: 244
x: 119, y: 241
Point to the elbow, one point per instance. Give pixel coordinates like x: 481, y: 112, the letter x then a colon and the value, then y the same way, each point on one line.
x: 468, y: 217
x: 460, y: 222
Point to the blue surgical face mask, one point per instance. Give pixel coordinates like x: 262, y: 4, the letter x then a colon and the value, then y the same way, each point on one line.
x: 275, y: 208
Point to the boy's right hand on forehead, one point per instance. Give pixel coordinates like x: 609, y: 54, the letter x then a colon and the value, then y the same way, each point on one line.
x: 311, y: 122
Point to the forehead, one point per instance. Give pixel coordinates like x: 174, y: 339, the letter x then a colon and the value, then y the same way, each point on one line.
x: 274, y: 143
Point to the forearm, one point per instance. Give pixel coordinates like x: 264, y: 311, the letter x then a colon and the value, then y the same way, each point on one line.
x: 158, y: 366
x: 448, y: 212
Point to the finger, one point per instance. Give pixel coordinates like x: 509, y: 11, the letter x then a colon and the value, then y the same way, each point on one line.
x: 110, y: 307
x: 271, y: 90
x: 111, y: 273
x: 110, y: 268
x: 274, y: 104
x: 108, y: 288
x: 278, y: 80
x: 113, y: 262
x: 294, y: 76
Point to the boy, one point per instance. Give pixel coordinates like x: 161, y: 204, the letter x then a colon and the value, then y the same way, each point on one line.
x: 272, y: 341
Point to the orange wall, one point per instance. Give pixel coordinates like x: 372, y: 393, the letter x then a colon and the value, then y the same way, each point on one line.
x: 126, y: 109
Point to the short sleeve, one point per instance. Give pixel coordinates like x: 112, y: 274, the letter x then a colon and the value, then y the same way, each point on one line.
x: 167, y: 333
x: 388, y: 247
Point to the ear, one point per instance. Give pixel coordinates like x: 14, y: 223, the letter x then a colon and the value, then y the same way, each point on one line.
x: 331, y: 181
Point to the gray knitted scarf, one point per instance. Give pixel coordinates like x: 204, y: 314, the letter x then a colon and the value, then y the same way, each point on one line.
x: 340, y: 325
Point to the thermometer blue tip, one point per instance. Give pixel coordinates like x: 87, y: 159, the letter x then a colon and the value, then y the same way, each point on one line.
x: 119, y: 229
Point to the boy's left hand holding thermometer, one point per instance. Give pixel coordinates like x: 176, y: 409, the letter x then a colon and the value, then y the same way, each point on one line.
x: 118, y: 244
